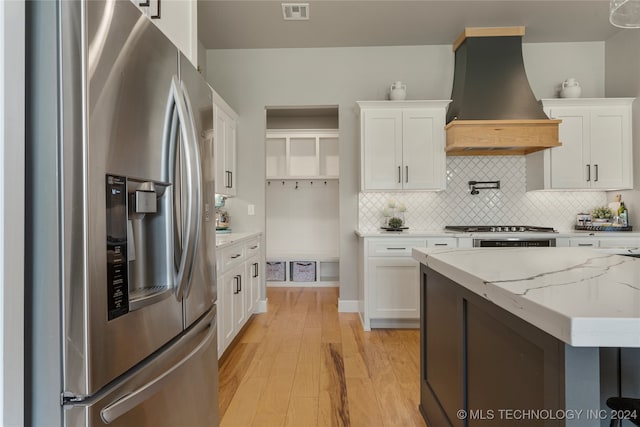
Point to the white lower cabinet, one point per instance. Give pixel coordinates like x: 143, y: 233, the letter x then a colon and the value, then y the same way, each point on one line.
x: 252, y: 291
x: 226, y: 324
x: 605, y: 242
x: 389, y: 282
x: 239, y: 283
x: 584, y: 242
x: 393, y: 293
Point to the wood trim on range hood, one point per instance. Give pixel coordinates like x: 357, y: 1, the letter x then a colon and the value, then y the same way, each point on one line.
x: 493, y: 109
x: 500, y: 137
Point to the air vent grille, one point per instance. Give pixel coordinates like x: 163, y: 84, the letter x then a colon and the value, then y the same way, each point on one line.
x: 295, y: 11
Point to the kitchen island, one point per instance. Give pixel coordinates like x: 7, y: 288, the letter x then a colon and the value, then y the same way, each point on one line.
x: 524, y: 336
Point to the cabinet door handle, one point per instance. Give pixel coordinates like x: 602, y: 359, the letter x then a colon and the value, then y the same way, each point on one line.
x: 228, y: 179
x: 588, y: 173
x: 596, y: 179
x: 396, y: 249
x: 399, y: 174
x: 255, y: 273
x: 157, y: 15
x: 144, y: 4
x: 406, y: 174
x: 239, y: 283
x: 231, y: 179
x: 235, y: 279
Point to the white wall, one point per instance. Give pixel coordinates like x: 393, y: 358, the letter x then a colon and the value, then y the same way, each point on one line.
x: 622, y: 80
x: 12, y: 212
x: 251, y: 79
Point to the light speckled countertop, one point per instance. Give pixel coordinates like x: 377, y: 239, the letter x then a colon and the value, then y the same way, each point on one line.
x: 441, y: 233
x: 226, y: 239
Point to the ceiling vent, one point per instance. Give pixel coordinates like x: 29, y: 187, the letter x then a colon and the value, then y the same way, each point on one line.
x: 295, y: 11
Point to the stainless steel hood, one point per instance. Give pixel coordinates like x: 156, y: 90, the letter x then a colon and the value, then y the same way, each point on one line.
x: 493, y: 109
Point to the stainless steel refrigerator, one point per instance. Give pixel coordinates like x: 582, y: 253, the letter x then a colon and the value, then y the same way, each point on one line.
x: 121, y: 321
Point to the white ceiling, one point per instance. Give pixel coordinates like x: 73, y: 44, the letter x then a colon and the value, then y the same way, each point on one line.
x: 240, y: 24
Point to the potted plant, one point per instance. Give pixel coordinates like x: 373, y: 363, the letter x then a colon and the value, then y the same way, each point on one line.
x: 394, y: 215
x: 601, y: 214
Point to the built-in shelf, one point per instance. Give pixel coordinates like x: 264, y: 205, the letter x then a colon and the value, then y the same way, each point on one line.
x: 327, y: 269
x: 303, y: 154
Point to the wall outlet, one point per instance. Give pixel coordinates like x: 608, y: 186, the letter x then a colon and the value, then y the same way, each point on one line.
x: 251, y: 209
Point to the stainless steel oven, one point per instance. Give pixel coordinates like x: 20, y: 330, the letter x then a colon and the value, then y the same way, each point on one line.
x: 512, y: 242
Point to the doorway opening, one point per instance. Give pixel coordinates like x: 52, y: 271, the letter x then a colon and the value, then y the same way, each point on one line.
x: 302, y: 196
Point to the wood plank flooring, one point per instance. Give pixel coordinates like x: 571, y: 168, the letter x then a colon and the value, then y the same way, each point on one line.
x: 303, y: 364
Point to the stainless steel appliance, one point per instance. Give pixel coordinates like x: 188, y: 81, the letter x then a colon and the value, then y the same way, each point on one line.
x: 122, y: 321
x: 521, y: 240
x: 510, y: 242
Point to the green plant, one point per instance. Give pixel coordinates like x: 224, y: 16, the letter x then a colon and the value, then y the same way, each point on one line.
x: 395, y: 222
x: 601, y: 212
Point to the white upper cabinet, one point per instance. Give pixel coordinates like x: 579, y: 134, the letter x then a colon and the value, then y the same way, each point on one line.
x: 402, y: 145
x: 177, y: 19
x: 596, y: 151
x: 225, y: 127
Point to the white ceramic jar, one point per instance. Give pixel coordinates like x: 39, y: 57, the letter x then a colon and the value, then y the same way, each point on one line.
x: 397, y: 91
x: 570, y: 89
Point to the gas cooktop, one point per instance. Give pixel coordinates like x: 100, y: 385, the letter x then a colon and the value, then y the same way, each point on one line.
x: 498, y: 229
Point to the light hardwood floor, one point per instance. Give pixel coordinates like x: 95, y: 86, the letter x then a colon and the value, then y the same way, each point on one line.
x: 303, y: 364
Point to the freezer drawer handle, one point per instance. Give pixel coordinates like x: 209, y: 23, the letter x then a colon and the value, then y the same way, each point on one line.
x: 126, y: 403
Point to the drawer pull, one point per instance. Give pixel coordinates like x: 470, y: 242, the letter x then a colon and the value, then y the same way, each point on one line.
x: 254, y: 247
x: 235, y: 256
x: 396, y: 249
x: 585, y: 244
x: 441, y: 244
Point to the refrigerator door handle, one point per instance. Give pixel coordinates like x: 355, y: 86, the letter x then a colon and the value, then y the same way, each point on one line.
x: 197, y: 188
x: 121, y: 406
x: 185, y: 263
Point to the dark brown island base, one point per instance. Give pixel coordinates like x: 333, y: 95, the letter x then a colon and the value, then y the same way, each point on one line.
x: 483, y: 366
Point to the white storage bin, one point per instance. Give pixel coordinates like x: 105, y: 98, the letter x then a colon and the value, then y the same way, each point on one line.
x: 303, y: 271
x: 276, y: 271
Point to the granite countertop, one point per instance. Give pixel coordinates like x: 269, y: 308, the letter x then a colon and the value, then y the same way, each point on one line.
x: 227, y: 239
x: 582, y: 296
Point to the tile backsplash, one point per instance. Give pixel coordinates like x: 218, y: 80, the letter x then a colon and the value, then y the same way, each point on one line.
x: 511, y: 204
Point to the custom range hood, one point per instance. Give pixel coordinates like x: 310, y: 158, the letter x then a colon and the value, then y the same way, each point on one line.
x: 493, y: 110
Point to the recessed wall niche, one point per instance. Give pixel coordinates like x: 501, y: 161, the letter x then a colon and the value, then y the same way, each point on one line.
x: 302, y: 193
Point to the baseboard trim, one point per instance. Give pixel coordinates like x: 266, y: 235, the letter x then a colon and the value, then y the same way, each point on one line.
x: 395, y: 323
x: 347, y: 306
x: 262, y: 306
x: 302, y: 285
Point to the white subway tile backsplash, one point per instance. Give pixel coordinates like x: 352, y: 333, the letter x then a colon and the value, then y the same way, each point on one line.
x: 511, y: 204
